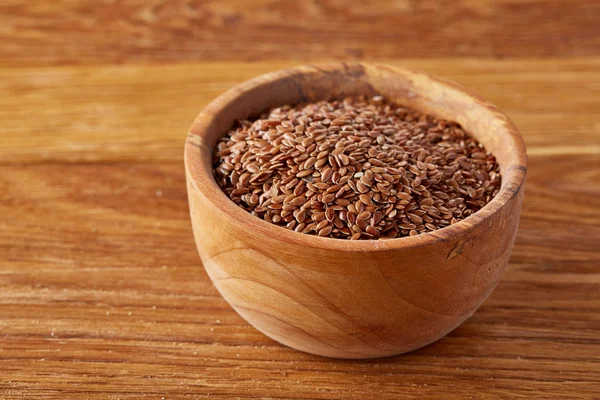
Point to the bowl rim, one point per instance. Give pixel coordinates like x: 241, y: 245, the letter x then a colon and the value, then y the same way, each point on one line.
x: 203, y: 180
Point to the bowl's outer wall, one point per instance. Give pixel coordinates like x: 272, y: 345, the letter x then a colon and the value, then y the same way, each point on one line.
x: 353, y: 304
x: 345, y: 303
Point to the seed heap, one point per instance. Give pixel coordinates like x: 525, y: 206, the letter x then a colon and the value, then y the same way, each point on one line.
x: 355, y: 169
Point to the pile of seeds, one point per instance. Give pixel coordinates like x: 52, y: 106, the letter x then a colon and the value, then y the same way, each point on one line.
x: 355, y: 169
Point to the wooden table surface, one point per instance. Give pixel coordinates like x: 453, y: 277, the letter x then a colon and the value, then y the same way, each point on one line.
x: 102, y: 294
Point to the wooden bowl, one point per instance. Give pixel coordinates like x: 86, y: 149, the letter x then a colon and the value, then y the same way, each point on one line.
x: 342, y: 298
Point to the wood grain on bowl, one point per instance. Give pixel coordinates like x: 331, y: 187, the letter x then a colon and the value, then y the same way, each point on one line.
x: 348, y: 299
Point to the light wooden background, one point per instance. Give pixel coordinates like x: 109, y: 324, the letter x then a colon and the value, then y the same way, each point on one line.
x: 102, y: 294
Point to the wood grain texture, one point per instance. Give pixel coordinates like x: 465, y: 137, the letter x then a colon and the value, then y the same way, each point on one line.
x: 135, y: 112
x: 74, y: 31
x: 101, y: 292
x: 92, y: 230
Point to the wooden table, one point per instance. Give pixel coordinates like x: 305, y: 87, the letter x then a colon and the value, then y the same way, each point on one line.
x: 102, y: 294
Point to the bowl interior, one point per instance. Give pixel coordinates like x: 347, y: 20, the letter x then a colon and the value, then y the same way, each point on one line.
x: 334, y: 81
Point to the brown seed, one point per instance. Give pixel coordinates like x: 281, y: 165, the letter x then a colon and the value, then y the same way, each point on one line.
x: 330, y: 214
x: 289, y: 198
x: 326, y: 174
x: 309, y: 228
x: 309, y: 163
x: 408, y: 226
x: 291, y: 224
x: 359, y: 205
x: 244, y: 179
x: 292, y: 183
x: 344, y: 179
x: 427, y: 218
x: 362, y: 188
x: 415, y: 218
x: 273, y: 192
x: 404, y: 196
x: 333, y: 162
x: 307, y: 142
x: 351, y: 217
x: 304, y: 173
x: 328, y: 198
x: 414, y: 169
x: 320, y: 162
x: 298, y: 201
x: 335, y: 178
x: 301, y: 216
x: 362, y: 224
x: 427, y: 202
x: 383, y: 189
x: 239, y: 192
x: 299, y: 189
x: 322, y: 224
x: 453, y: 183
x: 372, y: 231
x: 365, y: 199
x: 352, y: 208
x: 333, y: 188
x: 363, y: 216
x: 252, y: 168
x: 325, y: 231
x: 318, y: 216
x: 377, y: 216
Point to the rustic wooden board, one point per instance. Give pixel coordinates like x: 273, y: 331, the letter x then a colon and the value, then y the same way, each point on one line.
x: 102, y: 294
x: 74, y: 31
